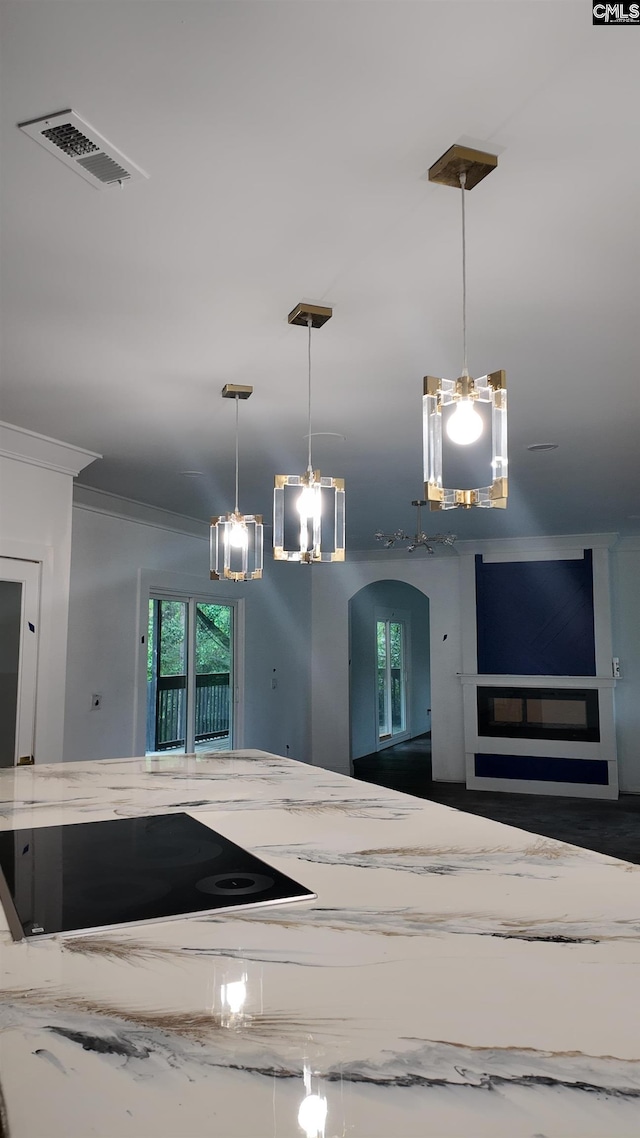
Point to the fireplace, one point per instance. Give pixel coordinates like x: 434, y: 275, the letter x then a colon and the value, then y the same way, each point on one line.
x: 539, y: 713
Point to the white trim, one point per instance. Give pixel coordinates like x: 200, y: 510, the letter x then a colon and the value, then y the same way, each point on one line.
x: 629, y: 544
x: 545, y: 547
x: 501, y: 679
x: 40, y: 450
x: 397, y: 554
x: 468, y: 613
x: 559, y: 789
x: 130, y: 510
x: 190, y: 669
x: 514, y: 557
x: 602, y: 611
x: 28, y: 575
x: 47, y: 743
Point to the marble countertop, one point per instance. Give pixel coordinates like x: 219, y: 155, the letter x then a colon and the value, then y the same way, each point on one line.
x: 456, y: 978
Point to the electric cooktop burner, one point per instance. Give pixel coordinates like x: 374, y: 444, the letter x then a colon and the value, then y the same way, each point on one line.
x: 62, y: 879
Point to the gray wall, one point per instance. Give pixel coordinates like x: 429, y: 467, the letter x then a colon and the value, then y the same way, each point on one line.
x: 362, y: 669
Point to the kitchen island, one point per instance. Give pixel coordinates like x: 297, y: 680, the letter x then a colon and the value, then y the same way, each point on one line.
x: 456, y: 978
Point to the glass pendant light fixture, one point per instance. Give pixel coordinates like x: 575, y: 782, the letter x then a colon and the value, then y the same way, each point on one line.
x: 463, y: 168
x: 235, y: 538
x: 420, y: 538
x: 308, y: 509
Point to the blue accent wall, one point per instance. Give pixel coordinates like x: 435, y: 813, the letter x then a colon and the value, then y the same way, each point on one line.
x: 537, y: 768
x: 536, y: 617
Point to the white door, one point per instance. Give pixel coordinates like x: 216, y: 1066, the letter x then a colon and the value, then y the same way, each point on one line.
x: 19, y: 628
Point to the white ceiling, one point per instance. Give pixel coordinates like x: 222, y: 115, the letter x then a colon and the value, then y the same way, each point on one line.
x: 287, y: 146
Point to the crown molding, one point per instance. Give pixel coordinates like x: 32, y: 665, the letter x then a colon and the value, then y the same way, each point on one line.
x: 130, y: 510
x: 39, y: 450
x: 524, y: 548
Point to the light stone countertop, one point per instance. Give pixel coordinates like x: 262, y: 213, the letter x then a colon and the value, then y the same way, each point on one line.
x: 456, y: 978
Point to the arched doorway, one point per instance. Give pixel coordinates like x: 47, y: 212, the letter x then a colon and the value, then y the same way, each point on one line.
x: 389, y: 666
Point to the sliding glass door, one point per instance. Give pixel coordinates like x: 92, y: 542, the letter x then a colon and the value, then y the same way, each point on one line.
x: 190, y: 681
x: 391, y: 676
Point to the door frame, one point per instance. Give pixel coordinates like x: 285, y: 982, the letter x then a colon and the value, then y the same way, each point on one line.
x: 27, y: 573
x: 182, y: 587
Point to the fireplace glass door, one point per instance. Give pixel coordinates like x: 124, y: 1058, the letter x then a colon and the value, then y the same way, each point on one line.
x: 539, y: 713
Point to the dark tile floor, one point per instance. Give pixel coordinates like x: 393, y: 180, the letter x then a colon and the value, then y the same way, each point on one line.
x: 609, y: 827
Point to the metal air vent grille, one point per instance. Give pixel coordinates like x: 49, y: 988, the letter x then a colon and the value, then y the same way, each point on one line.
x: 74, y: 142
x: 70, y: 140
x: 104, y: 168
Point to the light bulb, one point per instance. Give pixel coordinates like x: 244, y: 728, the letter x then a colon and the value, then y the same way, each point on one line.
x: 238, y: 535
x: 312, y: 1116
x: 465, y: 425
x: 308, y: 503
x: 234, y: 994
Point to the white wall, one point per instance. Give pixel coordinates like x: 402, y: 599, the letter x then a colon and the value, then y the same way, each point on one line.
x: 332, y: 586
x: 36, y: 480
x: 110, y: 552
x: 625, y: 588
x: 294, y: 607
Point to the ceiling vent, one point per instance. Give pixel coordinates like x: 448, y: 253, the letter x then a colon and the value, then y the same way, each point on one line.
x: 79, y: 146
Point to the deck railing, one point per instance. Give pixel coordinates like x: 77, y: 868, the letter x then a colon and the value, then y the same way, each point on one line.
x: 167, y: 705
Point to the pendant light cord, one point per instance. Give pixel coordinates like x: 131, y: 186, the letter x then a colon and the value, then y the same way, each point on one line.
x: 465, y: 369
x: 236, y: 510
x: 309, y: 325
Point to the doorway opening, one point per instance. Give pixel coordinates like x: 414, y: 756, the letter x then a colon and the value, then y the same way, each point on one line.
x: 19, y: 624
x: 190, y: 675
x: 389, y: 667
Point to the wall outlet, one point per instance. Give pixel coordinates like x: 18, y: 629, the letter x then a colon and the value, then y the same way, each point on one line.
x: 615, y: 667
x: 96, y: 701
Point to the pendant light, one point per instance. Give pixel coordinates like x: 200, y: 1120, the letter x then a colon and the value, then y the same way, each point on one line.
x: 420, y: 538
x: 463, y: 167
x: 235, y: 538
x: 308, y: 509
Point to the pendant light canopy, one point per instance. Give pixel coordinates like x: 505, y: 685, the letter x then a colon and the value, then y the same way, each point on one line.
x: 463, y: 168
x: 308, y: 509
x: 235, y: 538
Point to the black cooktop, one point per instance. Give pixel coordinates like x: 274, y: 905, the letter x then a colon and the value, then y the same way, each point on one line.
x: 93, y: 875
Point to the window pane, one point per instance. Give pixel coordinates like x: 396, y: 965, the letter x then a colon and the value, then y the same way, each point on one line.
x: 170, y: 679
x: 173, y: 638
x: 384, y: 728
x: 396, y: 630
x: 214, y: 648
x: 213, y: 638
